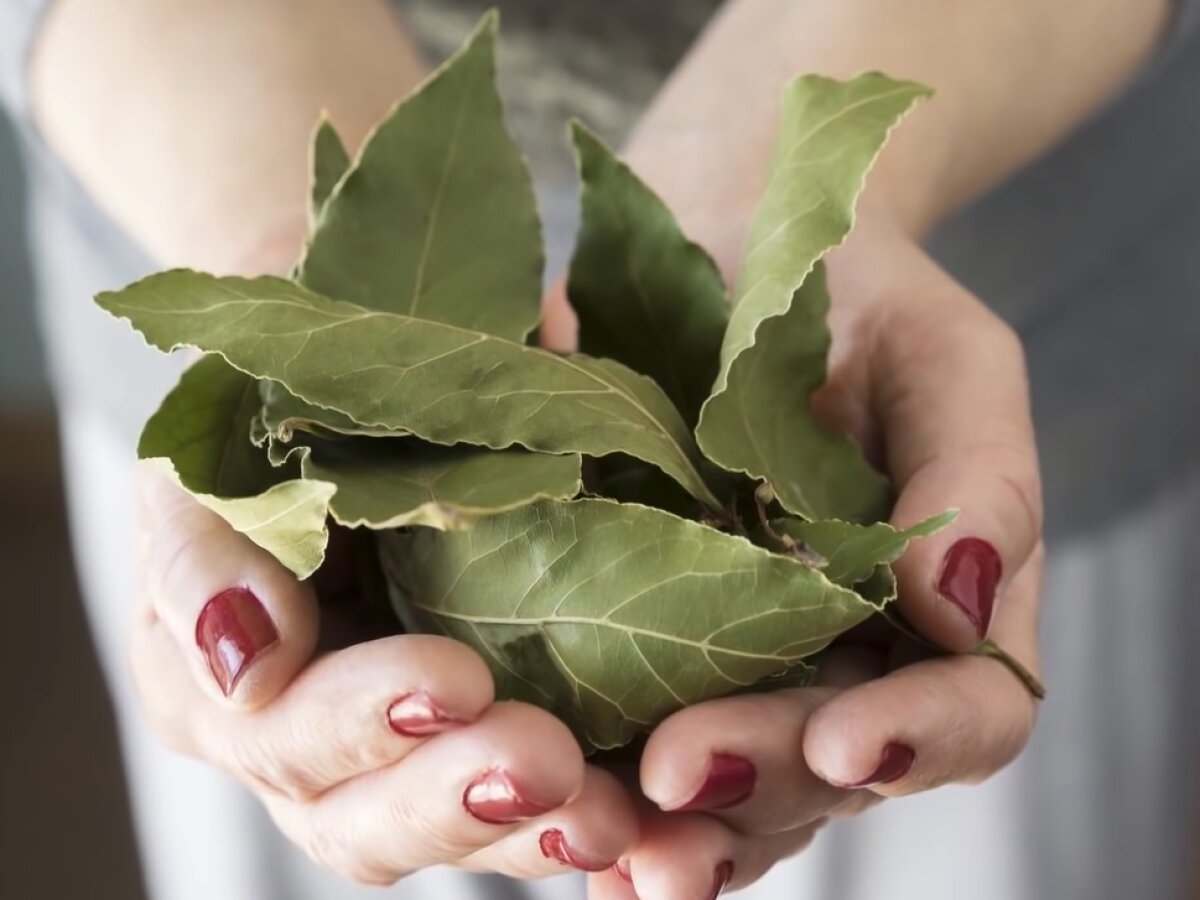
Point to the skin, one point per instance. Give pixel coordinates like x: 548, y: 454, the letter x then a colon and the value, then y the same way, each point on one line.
x: 205, y: 166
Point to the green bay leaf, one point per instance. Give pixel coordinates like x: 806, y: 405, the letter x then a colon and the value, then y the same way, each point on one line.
x: 398, y: 482
x: 755, y: 422
x: 200, y: 438
x: 645, y: 295
x: 445, y: 384
x: 853, y: 552
x: 437, y: 218
x: 762, y: 424
x: 328, y: 162
x: 614, y: 615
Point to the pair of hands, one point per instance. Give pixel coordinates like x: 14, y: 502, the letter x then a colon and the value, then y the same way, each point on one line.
x: 384, y: 757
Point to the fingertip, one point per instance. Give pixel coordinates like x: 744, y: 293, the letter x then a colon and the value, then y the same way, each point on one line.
x: 547, y: 750
x: 610, y: 885
x: 256, y: 636
x: 951, y: 583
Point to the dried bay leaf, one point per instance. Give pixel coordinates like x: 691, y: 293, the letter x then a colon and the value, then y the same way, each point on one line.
x: 853, y: 552
x: 645, y: 295
x: 405, y: 481
x: 200, y: 438
x: 437, y: 218
x: 328, y: 160
x: 444, y: 384
x: 615, y: 615
x: 773, y: 355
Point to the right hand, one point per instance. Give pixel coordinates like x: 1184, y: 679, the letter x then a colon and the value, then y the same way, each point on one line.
x: 378, y: 759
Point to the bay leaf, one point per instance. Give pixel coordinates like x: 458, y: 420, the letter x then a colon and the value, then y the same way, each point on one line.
x: 645, y: 295
x: 329, y: 161
x: 444, y: 384
x: 437, y: 219
x: 853, y: 552
x: 405, y: 481
x: 774, y: 352
x: 199, y: 437
x: 283, y: 414
x: 615, y: 615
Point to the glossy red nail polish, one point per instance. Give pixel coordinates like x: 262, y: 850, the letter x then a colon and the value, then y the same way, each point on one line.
x: 232, y: 631
x: 730, y: 780
x: 721, y: 878
x: 894, y: 763
x: 970, y: 574
x: 416, y: 715
x: 621, y: 867
x: 493, y: 798
x: 553, y: 844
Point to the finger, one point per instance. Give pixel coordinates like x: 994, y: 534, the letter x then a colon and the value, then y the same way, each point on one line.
x: 742, y: 759
x: 682, y: 856
x: 953, y: 399
x: 610, y: 884
x: 588, y: 834
x: 946, y: 720
x: 243, y: 622
x: 452, y: 796
x: 353, y: 712
x: 174, y: 706
x: 559, y: 330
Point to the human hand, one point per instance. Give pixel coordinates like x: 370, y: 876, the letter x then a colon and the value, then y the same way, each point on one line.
x: 378, y: 759
x: 934, y: 385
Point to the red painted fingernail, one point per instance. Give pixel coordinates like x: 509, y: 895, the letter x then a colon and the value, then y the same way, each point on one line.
x: 416, y: 715
x: 721, y: 879
x: 554, y: 846
x: 970, y: 574
x: 233, y: 629
x: 621, y: 867
x: 894, y: 764
x: 730, y: 780
x: 493, y: 798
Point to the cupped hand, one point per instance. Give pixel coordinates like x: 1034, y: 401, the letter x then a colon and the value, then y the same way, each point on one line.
x: 934, y: 385
x: 378, y: 759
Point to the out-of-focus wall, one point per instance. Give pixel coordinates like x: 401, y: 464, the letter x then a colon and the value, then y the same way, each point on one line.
x: 22, y: 380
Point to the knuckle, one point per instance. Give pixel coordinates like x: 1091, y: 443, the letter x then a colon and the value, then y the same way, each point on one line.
x: 173, y: 549
x: 265, y: 768
x: 423, y: 837
x: 1003, y: 338
x: 334, y: 850
x: 1015, y: 465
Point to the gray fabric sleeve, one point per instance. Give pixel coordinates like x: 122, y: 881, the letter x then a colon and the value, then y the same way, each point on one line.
x: 18, y: 24
x: 1187, y: 18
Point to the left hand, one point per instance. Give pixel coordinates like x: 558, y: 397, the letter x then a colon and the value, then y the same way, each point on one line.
x: 922, y: 372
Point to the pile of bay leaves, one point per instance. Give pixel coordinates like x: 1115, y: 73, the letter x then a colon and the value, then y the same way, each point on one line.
x: 648, y: 523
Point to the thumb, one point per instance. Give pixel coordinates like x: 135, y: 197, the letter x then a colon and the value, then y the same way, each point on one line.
x: 243, y: 621
x: 953, y: 401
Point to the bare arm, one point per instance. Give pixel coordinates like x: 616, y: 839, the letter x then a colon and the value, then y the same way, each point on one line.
x: 189, y: 121
x: 1012, y: 78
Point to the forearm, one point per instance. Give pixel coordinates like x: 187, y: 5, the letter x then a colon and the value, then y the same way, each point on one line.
x: 1012, y: 78
x: 189, y: 122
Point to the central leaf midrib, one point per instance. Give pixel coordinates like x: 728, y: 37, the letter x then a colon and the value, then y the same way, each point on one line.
x: 427, y: 242
x: 702, y: 646
x: 345, y: 317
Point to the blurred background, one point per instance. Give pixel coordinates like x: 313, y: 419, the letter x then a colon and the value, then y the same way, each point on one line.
x: 64, y: 821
